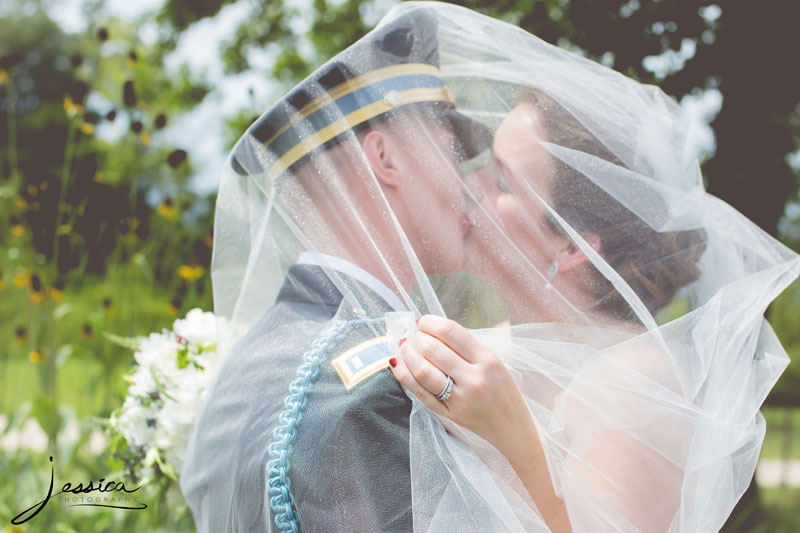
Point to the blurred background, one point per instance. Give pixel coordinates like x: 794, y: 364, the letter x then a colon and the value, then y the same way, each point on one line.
x: 115, y: 118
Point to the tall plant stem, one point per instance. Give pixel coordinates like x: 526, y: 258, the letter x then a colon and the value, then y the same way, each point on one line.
x: 131, y: 275
x: 51, y: 383
x: 69, y: 152
x: 13, y: 161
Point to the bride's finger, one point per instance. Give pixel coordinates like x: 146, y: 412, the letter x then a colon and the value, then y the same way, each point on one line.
x: 423, y: 371
x: 455, y: 336
x: 406, y: 379
x: 440, y: 354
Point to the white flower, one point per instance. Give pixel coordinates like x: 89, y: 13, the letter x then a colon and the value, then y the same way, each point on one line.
x: 137, y: 422
x: 153, y: 348
x: 167, y: 389
x: 143, y: 385
x: 174, y: 425
x: 199, y: 328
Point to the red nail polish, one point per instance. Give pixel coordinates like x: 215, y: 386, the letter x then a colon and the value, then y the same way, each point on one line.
x: 401, y: 341
x: 393, y: 362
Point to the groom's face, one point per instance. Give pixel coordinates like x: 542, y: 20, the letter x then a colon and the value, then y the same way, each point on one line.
x: 432, y: 207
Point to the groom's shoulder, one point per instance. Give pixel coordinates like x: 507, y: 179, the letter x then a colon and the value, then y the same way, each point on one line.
x: 279, y: 338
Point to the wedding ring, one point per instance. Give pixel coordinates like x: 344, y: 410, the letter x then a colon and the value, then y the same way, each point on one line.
x: 448, y: 388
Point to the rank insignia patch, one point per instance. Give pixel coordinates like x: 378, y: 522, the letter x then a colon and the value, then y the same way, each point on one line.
x: 363, y: 360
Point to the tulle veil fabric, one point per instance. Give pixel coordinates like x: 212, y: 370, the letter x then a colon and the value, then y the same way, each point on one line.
x: 646, y: 398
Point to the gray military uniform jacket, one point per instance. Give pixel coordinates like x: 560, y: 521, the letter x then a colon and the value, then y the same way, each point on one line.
x: 349, y: 454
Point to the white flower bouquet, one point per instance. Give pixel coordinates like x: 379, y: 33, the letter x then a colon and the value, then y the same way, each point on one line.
x: 150, y: 432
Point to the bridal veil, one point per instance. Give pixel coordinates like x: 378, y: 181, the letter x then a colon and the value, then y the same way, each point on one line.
x: 644, y: 364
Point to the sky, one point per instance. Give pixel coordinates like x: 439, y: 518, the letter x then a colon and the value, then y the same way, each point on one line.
x: 199, y: 48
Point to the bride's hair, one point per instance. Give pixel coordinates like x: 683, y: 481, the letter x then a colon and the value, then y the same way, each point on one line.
x: 655, y: 264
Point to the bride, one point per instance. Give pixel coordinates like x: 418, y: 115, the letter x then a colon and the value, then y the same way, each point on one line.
x: 520, y: 184
x: 622, y: 396
x: 625, y: 395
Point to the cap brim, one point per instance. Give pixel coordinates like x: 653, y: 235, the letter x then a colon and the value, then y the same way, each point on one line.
x: 475, y: 137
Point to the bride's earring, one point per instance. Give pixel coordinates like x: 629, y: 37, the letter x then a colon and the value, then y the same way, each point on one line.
x: 551, y: 273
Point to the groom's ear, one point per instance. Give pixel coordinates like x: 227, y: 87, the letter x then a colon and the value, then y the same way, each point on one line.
x: 377, y: 147
x: 572, y: 255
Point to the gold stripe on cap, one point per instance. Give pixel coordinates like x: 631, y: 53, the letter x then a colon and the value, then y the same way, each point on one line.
x: 353, y: 84
x: 317, y: 139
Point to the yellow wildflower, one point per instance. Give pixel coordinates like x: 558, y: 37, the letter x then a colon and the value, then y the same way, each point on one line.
x: 32, y: 190
x: 17, y: 230
x: 87, y: 128
x: 87, y: 332
x: 36, y: 356
x: 174, y: 306
x: 20, y: 335
x: 36, y: 297
x: 191, y: 273
x: 21, y: 280
x: 57, y: 290
x: 145, y: 138
x: 20, y: 201
x: 3, y: 76
x: 166, y: 210
x: 72, y: 109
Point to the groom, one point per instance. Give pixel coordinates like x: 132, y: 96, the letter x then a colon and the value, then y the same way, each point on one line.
x: 313, y: 436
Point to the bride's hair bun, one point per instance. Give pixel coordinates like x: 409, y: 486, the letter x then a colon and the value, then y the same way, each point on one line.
x: 655, y: 264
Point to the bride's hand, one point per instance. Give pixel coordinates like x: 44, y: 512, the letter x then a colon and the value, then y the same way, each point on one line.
x: 484, y: 398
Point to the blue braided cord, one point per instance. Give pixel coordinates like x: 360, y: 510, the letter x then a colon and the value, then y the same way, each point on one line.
x: 281, y: 500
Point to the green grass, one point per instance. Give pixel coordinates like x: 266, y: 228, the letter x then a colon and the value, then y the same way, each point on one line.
x: 781, y: 507
x: 89, y: 387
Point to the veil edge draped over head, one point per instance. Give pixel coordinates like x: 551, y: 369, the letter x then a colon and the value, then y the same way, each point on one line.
x: 452, y: 164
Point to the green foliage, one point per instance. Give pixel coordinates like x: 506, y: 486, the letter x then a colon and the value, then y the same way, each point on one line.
x: 21, y: 491
x: 780, y: 510
x: 336, y: 26
x: 783, y: 316
x: 783, y: 430
x: 267, y: 28
x: 181, y: 14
